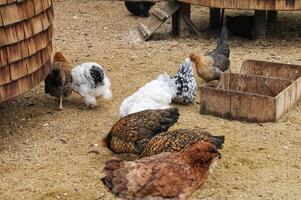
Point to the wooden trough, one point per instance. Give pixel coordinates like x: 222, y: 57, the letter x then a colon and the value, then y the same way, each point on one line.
x: 25, y: 45
x: 262, y: 92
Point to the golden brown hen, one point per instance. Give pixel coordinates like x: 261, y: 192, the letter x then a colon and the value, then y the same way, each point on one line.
x: 163, y: 176
x: 178, y: 140
x: 211, y: 65
x: 58, y: 81
x: 131, y: 133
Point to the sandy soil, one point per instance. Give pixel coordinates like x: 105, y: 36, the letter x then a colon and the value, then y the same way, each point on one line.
x: 46, y: 154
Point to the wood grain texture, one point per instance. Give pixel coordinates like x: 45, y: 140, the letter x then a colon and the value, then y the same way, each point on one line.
x: 25, y: 45
x: 262, y: 92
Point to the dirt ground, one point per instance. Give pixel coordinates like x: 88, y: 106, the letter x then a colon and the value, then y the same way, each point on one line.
x: 47, y: 154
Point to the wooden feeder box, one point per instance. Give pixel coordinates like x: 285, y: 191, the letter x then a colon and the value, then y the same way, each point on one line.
x: 261, y: 92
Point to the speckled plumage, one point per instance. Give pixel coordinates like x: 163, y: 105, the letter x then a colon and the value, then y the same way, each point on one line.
x: 163, y: 176
x: 131, y: 133
x: 185, y: 83
x: 178, y: 140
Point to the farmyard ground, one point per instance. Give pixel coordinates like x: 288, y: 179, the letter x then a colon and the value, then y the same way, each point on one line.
x: 47, y: 154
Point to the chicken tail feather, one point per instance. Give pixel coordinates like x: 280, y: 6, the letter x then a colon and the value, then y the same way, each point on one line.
x: 218, y: 141
x: 222, y: 44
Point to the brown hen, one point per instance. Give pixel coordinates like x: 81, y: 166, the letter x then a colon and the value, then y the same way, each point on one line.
x: 163, y: 176
x: 178, y: 140
x: 211, y: 65
x: 58, y: 81
x: 131, y: 133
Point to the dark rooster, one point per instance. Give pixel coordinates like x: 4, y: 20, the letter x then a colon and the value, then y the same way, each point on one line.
x: 139, y: 8
x: 131, y: 133
x: 211, y: 65
x: 163, y: 176
x: 58, y: 81
x: 178, y: 140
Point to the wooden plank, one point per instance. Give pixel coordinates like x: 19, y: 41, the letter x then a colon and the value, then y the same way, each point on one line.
x: 215, y: 102
x: 20, y: 32
x: 251, y: 107
x: 231, y: 4
x: 280, y: 4
x: 10, y: 14
x: 217, y: 3
x: 13, y: 53
x: 36, y: 24
x: 17, y: 70
x: 290, y: 4
x: 153, y: 22
x: 254, y: 84
x: 270, y: 4
x: 3, y: 57
x: 3, y: 2
x: 271, y: 69
x: 257, y: 4
x: 242, y: 4
x: 179, y: 26
x: 37, y: 6
x: 4, y: 75
x: 298, y: 5
x: 26, y: 10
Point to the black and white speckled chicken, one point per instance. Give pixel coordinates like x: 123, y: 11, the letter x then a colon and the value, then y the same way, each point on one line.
x: 211, y: 65
x: 178, y: 140
x: 130, y: 134
x: 161, y: 92
x: 58, y: 81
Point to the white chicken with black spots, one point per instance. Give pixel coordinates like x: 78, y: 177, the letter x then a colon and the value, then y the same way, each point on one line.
x: 90, y: 81
x: 161, y: 92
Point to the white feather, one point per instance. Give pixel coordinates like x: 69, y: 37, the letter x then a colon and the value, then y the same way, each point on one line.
x: 83, y: 84
x: 156, y: 94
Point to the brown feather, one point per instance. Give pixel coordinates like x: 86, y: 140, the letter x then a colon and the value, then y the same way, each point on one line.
x: 131, y: 133
x: 166, y: 175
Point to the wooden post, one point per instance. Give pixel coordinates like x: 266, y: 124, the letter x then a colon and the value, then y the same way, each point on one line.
x: 215, y: 18
x: 260, y: 21
x: 272, y: 16
x: 179, y: 26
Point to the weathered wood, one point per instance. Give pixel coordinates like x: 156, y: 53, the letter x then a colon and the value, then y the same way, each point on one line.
x: 260, y: 21
x: 25, y: 45
x: 271, y: 69
x: 249, y: 4
x: 253, y: 98
x: 179, y: 26
x: 155, y: 20
x: 215, y: 18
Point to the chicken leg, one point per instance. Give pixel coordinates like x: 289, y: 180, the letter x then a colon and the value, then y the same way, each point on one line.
x: 61, y: 104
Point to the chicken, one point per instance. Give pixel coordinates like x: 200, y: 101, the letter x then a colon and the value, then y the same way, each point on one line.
x: 130, y: 134
x: 242, y: 26
x: 58, y: 81
x: 163, y: 176
x: 161, y: 92
x: 178, y: 140
x: 90, y: 81
x: 211, y: 65
x: 139, y: 8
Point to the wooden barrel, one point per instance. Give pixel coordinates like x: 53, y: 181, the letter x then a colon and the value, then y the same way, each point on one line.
x: 25, y: 45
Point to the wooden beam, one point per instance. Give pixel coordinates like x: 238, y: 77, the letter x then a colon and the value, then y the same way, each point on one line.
x: 179, y: 26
